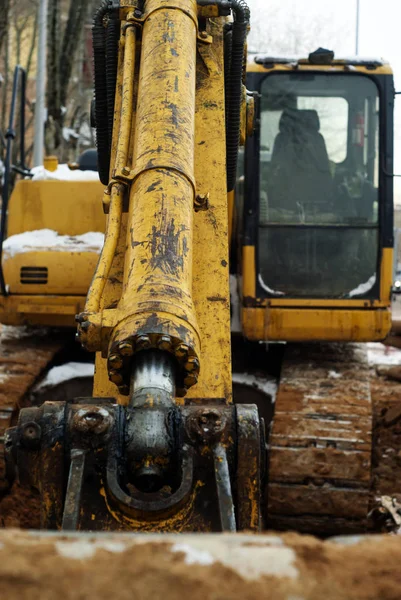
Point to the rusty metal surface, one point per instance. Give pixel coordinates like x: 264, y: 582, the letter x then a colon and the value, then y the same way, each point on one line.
x: 321, y: 438
x: 87, y: 442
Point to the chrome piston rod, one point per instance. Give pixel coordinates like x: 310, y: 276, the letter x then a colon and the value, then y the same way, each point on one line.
x: 151, y: 443
x: 153, y: 374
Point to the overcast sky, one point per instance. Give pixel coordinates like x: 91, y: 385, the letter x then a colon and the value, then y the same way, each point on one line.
x: 331, y: 24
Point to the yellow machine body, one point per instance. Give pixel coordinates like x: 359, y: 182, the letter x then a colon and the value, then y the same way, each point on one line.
x: 162, y: 212
x: 47, y: 285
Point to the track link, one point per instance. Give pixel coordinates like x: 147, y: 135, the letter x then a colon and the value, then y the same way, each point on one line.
x: 24, y: 354
x: 321, y: 441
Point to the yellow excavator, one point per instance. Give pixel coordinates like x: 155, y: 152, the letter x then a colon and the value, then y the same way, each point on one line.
x: 162, y: 444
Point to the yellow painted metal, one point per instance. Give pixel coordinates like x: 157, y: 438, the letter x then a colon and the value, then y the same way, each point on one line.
x: 248, y: 272
x: 315, y: 318
x: 210, y: 286
x: 67, y: 272
x: 384, y: 69
x: 297, y: 324
x: 164, y: 190
x: 108, y: 251
x: 68, y: 207
x: 123, y: 124
x: 158, y: 260
x: 386, y: 275
x: 50, y: 163
x: 53, y: 311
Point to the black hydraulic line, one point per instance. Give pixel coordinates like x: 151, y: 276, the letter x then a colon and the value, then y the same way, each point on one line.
x: 112, y: 39
x: 228, y: 43
x: 239, y: 33
x: 101, y: 113
x: 19, y: 80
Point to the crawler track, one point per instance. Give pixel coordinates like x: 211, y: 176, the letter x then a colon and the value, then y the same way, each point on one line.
x: 23, y: 356
x: 321, y: 441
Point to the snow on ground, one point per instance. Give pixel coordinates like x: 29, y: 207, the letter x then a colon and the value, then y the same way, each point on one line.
x: 267, y: 386
x: 63, y: 173
x: 71, y: 370
x: 379, y: 354
x: 43, y: 239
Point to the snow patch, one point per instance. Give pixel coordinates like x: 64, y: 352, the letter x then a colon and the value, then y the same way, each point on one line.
x: 267, y: 386
x: 193, y: 556
x: 43, y: 239
x: 363, y: 287
x: 249, y: 558
x: 269, y: 290
x: 379, y: 354
x: 63, y: 173
x: 334, y: 375
x: 80, y: 549
x: 71, y: 370
x: 69, y: 133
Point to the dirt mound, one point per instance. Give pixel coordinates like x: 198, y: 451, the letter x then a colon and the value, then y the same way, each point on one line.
x: 289, y: 567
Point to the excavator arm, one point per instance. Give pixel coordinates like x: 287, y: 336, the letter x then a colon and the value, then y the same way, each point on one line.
x: 160, y: 446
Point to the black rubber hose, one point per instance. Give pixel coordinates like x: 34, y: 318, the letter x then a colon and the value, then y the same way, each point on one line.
x: 239, y: 33
x: 112, y: 39
x: 99, y: 58
x: 228, y: 35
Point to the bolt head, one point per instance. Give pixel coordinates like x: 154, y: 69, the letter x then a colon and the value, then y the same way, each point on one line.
x: 181, y: 351
x: 126, y: 348
x: 190, y: 380
x: 192, y: 364
x: 125, y: 171
x: 115, y: 377
x: 203, y: 34
x: 115, y: 361
x: 94, y: 420
x: 164, y: 343
x: 31, y: 434
x: 123, y: 390
x: 143, y: 342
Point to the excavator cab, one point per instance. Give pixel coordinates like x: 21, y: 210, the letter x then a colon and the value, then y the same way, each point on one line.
x: 317, y: 215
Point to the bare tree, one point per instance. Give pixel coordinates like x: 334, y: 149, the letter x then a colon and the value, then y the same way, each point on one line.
x: 63, y: 79
x: 4, y: 10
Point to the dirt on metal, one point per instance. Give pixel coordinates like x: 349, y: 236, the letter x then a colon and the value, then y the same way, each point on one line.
x: 332, y: 503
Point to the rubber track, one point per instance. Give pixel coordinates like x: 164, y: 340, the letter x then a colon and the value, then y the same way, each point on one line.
x: 321, y: 441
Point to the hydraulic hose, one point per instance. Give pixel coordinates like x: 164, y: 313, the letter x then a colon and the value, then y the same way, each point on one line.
x: 101, y: 112
x: 112, y: 37
x: 234, y: 88
x: 228, y: 38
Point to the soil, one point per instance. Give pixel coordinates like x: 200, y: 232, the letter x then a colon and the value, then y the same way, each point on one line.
x: 128, y: 568
x: 20, y: 508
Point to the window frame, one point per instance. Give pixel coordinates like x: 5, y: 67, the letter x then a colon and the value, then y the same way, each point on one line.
x: 250, y: 237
